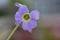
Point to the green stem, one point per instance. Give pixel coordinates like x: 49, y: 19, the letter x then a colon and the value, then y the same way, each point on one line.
x: 12, y: 32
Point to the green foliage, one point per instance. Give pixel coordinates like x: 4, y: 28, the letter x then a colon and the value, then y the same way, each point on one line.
x: 20, y: 1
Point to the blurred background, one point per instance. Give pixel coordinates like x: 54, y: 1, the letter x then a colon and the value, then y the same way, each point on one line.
x: 48, y: 25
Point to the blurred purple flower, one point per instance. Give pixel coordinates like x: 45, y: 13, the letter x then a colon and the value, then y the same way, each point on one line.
x: 28, y: 19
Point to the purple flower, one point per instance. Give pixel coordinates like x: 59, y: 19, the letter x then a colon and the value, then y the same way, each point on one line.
x: 29, y: 20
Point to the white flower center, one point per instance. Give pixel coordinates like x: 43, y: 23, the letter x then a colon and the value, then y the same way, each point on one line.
x: 26, y: 17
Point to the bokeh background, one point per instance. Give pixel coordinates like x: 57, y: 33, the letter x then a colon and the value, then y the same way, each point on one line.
x: 48, y: 25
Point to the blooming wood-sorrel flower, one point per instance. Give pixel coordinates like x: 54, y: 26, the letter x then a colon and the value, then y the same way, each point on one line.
x: 28, y: 19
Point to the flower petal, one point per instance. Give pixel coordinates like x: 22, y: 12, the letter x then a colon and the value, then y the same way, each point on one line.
x: 18, y: 22
x: 29, y: 25
x: 18, y: 4
x: 32, y: 23
x: 23, y: 9
x: 25, y: 26
x: 35, y: 14
x: 18, y: 18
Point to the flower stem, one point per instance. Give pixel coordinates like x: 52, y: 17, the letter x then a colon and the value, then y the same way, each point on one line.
x: 12, y: 32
